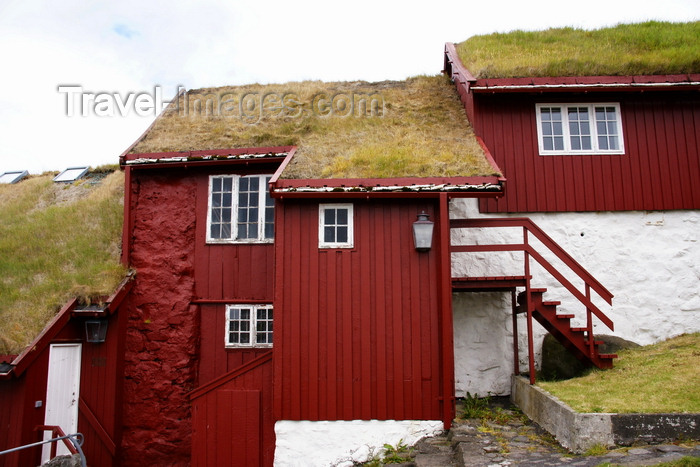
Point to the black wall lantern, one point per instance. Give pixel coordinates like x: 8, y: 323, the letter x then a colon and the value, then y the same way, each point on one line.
x: 96, y: 330
x: 423, y: 232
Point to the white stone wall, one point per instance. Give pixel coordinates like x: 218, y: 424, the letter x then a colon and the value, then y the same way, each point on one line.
x: 650, y: 262
x: 343, y: 443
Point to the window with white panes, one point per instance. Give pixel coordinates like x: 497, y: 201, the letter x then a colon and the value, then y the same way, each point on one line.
x: 579, y: 129
x: 249, y: 326
x: 335, y: 229
x: 240, y: 209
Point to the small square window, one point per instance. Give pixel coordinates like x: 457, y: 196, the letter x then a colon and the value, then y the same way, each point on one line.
x: 249, y: 326
x: 335, y: 226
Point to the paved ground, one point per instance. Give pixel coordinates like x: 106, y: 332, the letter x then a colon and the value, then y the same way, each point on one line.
x: 514, y: 440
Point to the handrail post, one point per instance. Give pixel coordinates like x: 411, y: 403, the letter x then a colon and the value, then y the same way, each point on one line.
x: 589, y: 322
x: 528, y: 304
x: 54, y: 445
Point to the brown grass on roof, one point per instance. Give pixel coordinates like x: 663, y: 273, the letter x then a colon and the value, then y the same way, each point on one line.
x: 57, y: 241
x: 648, y: 48
x: 412, y: 128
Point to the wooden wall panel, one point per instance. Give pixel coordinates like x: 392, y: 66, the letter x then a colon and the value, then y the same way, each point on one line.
x: 12, y: 395
x: 659, y: 170
x: 224, y: 272
x: 229, y: 271
x: 356, y: 333
x: 233, y: 423
x: 215, y: 358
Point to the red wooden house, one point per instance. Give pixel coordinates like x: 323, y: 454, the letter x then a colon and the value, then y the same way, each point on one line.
x: 281, y: 310
x: 607, y: 165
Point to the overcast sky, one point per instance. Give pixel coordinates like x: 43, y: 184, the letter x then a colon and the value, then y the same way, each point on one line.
x: 52, y: 50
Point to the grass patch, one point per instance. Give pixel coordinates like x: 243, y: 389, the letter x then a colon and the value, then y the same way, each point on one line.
x: 651, y: 379
x: 396, y: 454
x: 56, y: 241
x: 411, y: 128
x: 596, y: 450
x: 627, y: 49
x: 475, y: 406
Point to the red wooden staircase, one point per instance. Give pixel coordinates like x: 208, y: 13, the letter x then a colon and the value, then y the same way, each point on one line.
x: 580, y: 341
x: 575, y: 340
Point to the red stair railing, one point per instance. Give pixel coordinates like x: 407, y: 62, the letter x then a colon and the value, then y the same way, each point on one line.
x: 529, y: 251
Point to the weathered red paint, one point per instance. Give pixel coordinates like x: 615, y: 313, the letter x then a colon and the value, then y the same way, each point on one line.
x: 162, y: 329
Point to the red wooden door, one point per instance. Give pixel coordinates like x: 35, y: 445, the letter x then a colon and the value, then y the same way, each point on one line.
x: 228, y: 429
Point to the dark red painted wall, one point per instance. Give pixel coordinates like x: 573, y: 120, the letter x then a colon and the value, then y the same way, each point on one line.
x: 175, y: 337
x: 217, y: 360
x: 13, y: 401
x: 233, y: 423
x: 659, y: 170
x: 356, y: 330
x: 227, y: 272
x: 163, y: 326
x: 230, y: 271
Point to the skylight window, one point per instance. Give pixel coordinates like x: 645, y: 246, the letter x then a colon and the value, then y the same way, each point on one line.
x: 71, y: 174
x: 13, y: 177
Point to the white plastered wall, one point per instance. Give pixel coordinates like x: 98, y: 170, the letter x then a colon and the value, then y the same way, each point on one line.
x: 650, y: 262
x: 344, y: 443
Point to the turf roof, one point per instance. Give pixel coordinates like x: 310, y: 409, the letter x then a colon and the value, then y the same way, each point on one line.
x: 411, y: 128
x: 650, y: 48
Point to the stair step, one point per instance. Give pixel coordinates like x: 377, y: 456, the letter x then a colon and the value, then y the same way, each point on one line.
x: 566, y: 316
x: 579, y: 329
x: 538, y: 290
x: 551, y: 303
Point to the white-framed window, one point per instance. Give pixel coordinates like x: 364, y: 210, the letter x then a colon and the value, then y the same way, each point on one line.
x: 240, y: 209
x: 594, y: 128
x: 249, y: 326
x: 335, y: 226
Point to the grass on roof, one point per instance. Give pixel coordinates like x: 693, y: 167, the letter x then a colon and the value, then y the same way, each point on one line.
x: 628, y: 49
x: 652, y: 379
x: 412, y: 128
x: 56, y: 241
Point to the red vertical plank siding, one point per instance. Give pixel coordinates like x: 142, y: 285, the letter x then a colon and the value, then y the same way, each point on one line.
x: 233, y: 423
x: 235, y: 272
x: 365, y: 348
x: 379, y: 320
x: 397, y: 316
x: 12, y: 393
x: 658, y: 171
x: 364, y: 357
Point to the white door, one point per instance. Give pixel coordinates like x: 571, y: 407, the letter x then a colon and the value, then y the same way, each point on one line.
x: 62, y: 393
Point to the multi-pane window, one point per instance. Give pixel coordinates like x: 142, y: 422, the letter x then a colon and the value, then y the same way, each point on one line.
x: 335, y: 228
x: 579, y: 129
x: 240, y: 209
x: 249, y: 326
